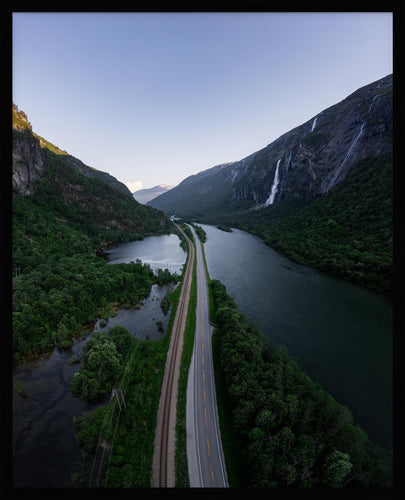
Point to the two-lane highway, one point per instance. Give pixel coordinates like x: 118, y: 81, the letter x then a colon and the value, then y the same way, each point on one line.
x: 206, y: 462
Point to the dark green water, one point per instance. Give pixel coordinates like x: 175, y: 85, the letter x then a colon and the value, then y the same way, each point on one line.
x: 45, y: 453
x: 339, y: 333
x: 142, y: 323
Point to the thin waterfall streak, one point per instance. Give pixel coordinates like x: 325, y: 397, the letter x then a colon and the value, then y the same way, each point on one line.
x: 372, y: 102
x: 348, y: 154
x: 274, y: 187
x: 314, y: 124
x: 353, y: 145
x: 288, y: 160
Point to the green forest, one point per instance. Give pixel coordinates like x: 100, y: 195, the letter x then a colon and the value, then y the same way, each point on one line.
x: 347, y: 233
x: 130, y: 433
x: 291, y: 433
x: 104, y: 356
x: 61, y: 284
x: 118, y: 360
x: 61, y: 280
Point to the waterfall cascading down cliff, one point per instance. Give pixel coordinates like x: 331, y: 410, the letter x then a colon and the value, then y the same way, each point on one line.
x: 314, y: 124
x: 350, y: 151
x: 274, y: 187
x: 288, y: 160
x: 315, y: 157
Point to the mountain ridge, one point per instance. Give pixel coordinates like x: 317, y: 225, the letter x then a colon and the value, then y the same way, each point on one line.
x: 80, y: 194
x: 321, y: 194
x: 62, y: 222
x: 313, y: 158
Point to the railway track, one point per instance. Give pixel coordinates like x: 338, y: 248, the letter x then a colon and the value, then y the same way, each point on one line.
x: 163, y: 473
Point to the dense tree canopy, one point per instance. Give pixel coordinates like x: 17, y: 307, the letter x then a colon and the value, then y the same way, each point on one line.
x: 293, y: 433
x: 202, y: 235
x: 104, y: 357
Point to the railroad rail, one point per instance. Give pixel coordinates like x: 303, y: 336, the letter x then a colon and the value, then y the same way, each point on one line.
x: 163, y: 475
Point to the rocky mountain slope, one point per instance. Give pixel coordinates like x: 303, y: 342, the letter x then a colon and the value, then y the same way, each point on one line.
x: 305, y: 163
x: 28, y: 159
x: 29, y: 164
x: 145, y: 195
x: 78, y: 193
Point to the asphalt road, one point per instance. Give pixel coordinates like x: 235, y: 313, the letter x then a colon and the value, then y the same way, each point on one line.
x: 206, y: 462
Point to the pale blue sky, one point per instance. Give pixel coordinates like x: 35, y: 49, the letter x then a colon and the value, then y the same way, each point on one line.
x: 153, y: 98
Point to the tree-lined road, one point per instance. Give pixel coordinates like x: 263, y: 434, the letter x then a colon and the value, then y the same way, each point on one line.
x: 206, y: 462
x: 205, y: 456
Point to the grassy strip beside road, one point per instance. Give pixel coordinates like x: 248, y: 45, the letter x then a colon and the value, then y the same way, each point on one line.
x: 210, y: 296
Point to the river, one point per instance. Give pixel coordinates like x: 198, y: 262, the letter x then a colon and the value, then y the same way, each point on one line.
x: 339, y: 333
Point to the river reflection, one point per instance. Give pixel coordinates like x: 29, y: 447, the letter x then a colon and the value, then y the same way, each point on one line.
x: 160, y: 252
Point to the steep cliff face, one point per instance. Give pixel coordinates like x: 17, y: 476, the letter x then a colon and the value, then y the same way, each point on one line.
x: 28, y: 159
x: 73, y: 192
x: 317, y: 155
x: 312, y: 159
x: 29, y: 162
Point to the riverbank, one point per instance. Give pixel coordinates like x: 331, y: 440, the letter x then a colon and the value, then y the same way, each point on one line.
x: 290, y: 431
x: 339, y: 333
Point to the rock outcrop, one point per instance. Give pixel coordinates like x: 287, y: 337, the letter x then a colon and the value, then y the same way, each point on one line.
x: 28, y: 159
x: 29, y: 164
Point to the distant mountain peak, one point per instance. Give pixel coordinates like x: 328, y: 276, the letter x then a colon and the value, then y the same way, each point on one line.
x: 145, y: 195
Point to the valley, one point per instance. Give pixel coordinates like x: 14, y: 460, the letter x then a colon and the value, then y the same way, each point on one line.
x: 322, y: 193
x: 299, y: 292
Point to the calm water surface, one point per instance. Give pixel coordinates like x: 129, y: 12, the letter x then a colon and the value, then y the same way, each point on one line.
x: 340, y: 334
x: 157, y: 251
x: 142, y: 323
x: 44, y: 447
